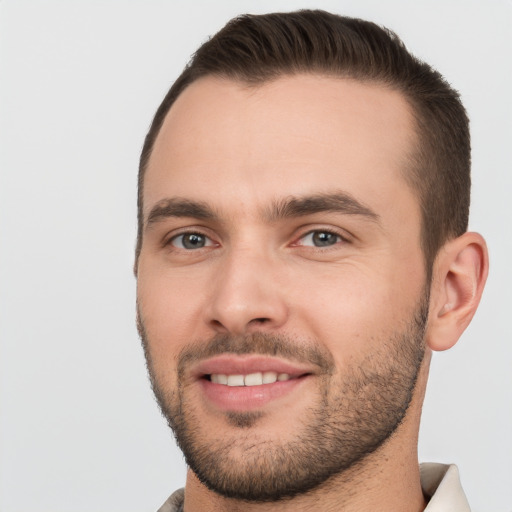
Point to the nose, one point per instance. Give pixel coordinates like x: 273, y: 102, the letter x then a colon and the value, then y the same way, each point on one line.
x: 246, y: 295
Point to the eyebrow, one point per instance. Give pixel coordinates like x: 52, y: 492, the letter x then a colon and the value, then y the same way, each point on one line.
x: 338, y: 202
x: 178, y: 207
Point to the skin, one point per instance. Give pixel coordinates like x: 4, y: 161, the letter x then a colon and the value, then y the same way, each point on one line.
x: 240, y: 151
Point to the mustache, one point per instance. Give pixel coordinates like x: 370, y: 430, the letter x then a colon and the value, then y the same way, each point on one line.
x: 258, y: 344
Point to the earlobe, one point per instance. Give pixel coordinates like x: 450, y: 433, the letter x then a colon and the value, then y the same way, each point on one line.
x: 459, y: 276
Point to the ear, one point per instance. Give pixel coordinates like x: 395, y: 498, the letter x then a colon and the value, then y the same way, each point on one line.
x: 458, y: 280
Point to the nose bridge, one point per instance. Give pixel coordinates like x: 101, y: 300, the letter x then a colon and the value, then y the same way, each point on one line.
x: 246, y: 293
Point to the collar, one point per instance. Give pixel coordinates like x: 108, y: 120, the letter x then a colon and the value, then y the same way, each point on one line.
x: 441, y: 485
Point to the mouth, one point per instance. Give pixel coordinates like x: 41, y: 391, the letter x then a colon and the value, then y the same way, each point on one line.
x: 244, y: 383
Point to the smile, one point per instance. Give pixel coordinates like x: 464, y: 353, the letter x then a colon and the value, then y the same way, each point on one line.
x: 231, y: 382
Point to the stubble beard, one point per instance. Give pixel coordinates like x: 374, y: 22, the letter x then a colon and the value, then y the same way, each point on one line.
x: 355, y: 414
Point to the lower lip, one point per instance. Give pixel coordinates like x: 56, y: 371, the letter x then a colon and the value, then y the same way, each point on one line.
x: 248, y: 398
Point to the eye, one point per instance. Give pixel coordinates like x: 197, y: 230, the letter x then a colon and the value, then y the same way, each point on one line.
x: 191, y: 241
x: 320, y: 238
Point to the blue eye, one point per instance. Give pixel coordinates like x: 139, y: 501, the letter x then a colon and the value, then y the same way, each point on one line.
x: 320, y: 239
x: 191, y: 241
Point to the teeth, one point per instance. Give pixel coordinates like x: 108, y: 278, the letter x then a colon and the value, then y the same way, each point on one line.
x: 235, y: 380
x: 252, y: 379
x: 269, y: 377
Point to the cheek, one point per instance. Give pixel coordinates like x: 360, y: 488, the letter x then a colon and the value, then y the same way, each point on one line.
x: 170, y: 308
x: 354, y: 309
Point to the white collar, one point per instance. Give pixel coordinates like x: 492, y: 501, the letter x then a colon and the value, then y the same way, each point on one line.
x: 441, y: 483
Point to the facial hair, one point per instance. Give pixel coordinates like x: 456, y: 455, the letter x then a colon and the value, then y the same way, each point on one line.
x: 357, y: 410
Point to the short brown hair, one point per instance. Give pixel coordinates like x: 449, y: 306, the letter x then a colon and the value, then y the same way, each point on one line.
x: 255, y: 49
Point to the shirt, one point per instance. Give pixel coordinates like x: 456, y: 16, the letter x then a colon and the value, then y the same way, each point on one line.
x: 440, y: 484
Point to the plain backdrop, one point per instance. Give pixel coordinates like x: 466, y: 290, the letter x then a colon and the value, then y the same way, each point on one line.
x: 79, y: 83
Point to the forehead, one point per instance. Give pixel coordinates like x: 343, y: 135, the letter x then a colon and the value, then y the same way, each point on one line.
x: 291, y: 136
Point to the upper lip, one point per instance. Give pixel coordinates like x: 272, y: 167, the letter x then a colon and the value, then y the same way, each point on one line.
x: 231, y: 364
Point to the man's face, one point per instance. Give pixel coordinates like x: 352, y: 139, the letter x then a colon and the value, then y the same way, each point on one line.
x: 281, y: 283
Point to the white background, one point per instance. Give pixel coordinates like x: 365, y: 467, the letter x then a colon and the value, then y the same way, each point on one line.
x: 79, y: 83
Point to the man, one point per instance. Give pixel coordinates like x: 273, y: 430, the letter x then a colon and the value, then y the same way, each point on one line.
x: 302, y: 248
